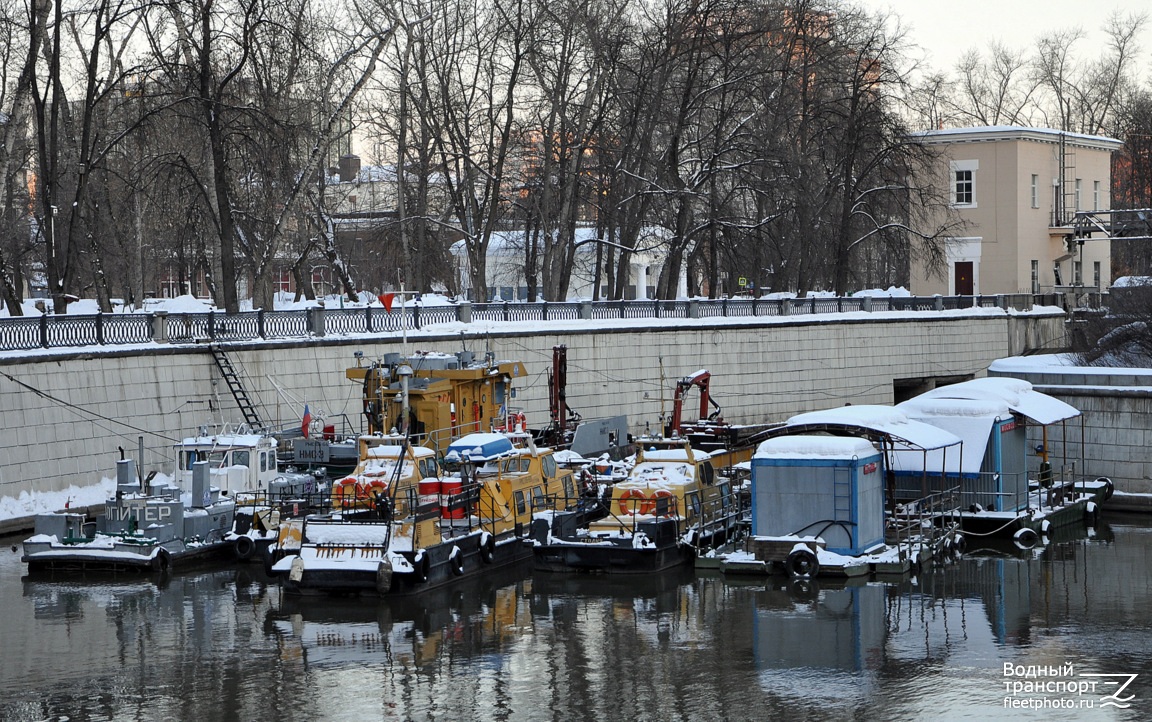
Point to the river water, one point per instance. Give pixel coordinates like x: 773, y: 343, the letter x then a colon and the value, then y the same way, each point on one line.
x: 225, y: 644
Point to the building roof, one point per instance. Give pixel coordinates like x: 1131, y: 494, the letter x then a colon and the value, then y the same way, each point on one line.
x: 993, y: 133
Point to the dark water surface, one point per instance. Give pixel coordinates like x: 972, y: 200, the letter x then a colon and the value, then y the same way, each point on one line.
x: 227, y: 645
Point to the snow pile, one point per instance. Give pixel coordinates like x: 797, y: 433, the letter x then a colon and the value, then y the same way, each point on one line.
x: 44, y: 502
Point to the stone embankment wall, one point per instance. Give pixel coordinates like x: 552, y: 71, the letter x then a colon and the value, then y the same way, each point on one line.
x: 1116, y: 405
x: 66, y: 414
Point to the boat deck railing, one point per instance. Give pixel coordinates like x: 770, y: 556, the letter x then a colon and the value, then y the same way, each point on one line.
x: 926, y: 521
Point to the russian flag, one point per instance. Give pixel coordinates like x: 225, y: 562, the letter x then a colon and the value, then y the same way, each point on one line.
x: 306, y: 422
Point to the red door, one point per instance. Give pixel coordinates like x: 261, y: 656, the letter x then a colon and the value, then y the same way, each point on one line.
x: 963, y: 274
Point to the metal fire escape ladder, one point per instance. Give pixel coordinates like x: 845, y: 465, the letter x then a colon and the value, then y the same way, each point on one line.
x: 228, y: 371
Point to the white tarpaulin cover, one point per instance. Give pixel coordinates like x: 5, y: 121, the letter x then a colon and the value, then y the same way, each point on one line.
x: 1019, y: 396
x: 904, y: 431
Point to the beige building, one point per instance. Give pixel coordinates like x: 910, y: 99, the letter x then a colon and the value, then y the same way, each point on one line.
x: 1017, y: 191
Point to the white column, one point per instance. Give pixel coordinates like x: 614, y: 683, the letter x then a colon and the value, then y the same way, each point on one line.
x: 641, y: 281
x: 682, y: 282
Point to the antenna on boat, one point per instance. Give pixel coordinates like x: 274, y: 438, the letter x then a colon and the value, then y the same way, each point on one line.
x: 661, y: 360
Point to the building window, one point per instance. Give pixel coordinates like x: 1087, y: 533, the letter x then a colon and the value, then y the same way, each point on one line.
x: 1056, y: 275
x: 964, y: 182
x: 1035, y: 191
x: 1096, y: 195
x: 1035, y: 268
x: 1096, y: 273
x: 1077, y: 273
x: 1076, y: 196
x: 963, y: 195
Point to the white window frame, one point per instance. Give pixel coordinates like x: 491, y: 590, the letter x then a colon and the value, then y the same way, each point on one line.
x: 1077, y: 194
x: 968, y: 168
x: 1035, y: 191
x: 1095, y: 195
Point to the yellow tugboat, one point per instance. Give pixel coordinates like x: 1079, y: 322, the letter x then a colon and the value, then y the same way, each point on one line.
x: 401, y: 526
x: 671, y: 505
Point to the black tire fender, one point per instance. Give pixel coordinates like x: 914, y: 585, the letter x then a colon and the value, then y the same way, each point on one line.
x: 162, y: 562
x: 802, y: 563
x: 422, y: 566
x: 456, y: 561
x: 487, y: 548
x: 245, y: 547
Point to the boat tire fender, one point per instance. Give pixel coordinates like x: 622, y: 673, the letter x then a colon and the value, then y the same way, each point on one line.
x: 456, y: 561
x: 1091, y: 514
x: 959, y: 543
x: 272, y: 556
x: 245, y: 547
x: 487, y: 548
x: 422, y: 566
x: 1109, y: 487
x: 1026, y: 538
x: 162, y: 562
x: 802, y: 563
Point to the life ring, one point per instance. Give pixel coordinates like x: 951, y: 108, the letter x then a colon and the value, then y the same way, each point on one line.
x: 487, y: 548
x: 665, y: 494
x: 456, y: 561
x: 1026, y: 538
x: 162, y: 562
x: 245, y: 547
x: 1109, y: 487
x: 802, y: 563
x: 344, y: 491
x: 643, y: 505
x: 421, y: 566
x: 370, y: 490
x: 519, y: 421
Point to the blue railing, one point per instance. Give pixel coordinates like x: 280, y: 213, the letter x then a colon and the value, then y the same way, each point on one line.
x: 106, y: 329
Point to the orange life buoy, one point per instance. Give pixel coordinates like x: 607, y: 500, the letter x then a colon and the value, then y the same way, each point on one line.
x: 344, y: 491
x: 519, y: 421
x: 642, y: 505
x: 665, y: 494
x: 369, y: 490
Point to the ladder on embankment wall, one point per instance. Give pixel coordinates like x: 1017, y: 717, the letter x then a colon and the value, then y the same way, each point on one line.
x: 236, y: 386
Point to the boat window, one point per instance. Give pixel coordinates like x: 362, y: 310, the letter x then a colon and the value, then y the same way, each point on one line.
x: 240, y: 458
x: 538, y: 498
x: 498, y: 392
x: 569, y: 491
x: 514, y: 466
x: 707, y: 475
x: 549, y: 466
x: 520, y: 507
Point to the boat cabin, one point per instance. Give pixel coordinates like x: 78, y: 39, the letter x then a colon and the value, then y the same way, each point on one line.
x: 668, y: 480
x: 238, y: 462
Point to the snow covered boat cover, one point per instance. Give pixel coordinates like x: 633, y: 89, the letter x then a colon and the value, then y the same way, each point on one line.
x: 1017, y: 394
x: 479, y: 447
x: 886, y: 420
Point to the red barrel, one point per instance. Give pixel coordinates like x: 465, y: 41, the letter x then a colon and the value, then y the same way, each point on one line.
x: 429, y: 491
x: 449, y: 492
x: 329, y: 432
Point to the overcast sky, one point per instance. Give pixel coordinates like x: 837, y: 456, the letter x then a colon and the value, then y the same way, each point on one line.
x: 946, y: 30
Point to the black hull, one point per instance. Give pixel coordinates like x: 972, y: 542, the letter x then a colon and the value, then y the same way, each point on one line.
x: 95, y: 562
x: 609, y: 559
x: 442, y: 570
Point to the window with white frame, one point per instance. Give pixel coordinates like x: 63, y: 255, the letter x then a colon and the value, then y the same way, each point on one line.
x: 1035, y: 191
x: 1076, y: 196
x: 964, y: 182
x: 1095, y: 195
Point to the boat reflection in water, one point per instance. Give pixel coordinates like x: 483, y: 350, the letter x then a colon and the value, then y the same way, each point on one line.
x: 683, y: 645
